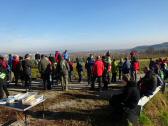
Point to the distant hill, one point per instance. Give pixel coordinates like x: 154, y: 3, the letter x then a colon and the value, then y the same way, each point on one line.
x: 162, y: 46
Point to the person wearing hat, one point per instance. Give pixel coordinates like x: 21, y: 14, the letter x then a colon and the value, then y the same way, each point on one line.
x: 27, y: 65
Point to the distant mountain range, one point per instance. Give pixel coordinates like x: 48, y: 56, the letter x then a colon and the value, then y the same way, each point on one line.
x: 156, y: 47
x: 162, y: 46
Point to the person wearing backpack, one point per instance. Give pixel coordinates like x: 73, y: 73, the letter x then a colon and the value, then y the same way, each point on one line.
x: 64, y: 68
x: 44, y: 69
x: 3, y: 77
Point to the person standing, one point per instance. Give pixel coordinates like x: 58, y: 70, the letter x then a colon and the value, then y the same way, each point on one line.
x: 16, y: 68
x: 79, y: 68
x: 53, y: 65
x: 134, y: 65
x: 66, y: 55
x: 120, y: 65
x: 114, y: 71
x: 3, y: 77
x: 64, y: 68
x: 98, y: 70
x: 44, y: 69
x: 57, y: 53
x: 27, y: 71
x: 70, y: 63
x: 89, y: 66
x: 10, y: 59
x: 37, y: 58
x: 126, y: 67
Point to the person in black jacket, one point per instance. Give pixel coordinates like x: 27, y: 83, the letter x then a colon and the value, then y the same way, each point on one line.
x: 148, y: 83
x: 27, y: 65
x: 125, y: 105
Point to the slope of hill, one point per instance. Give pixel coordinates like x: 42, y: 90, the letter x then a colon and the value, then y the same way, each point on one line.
x: 162, y: 46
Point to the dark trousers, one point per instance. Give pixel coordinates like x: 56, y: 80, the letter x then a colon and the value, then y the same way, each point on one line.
x: 28, y: 82
x: 106, y: 80
x: 70, y: 76
x: 120, y: 74
x: 3, y: 88
x: 16, y: 74
x: 99, y: 81
x: 89, y: 77
x: 80, y: 75
x: 114, y: 77
x: 134, y: 75
x: 46, y: 81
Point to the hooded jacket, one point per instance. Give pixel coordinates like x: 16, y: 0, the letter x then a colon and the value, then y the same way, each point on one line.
x: 98, y: 68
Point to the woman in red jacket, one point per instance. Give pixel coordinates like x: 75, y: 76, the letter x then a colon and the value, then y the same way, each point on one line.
x: 98, y: 70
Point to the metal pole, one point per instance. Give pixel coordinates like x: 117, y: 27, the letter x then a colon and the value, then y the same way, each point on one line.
x: 43, y: 110
x: 26, y: 124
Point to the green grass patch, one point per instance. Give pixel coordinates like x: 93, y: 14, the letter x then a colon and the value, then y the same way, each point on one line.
x: 144, y: 120
x: 164, y: 119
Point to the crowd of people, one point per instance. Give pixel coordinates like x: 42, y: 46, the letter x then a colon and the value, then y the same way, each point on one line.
x: 21, y: 69
x: 102, y: 69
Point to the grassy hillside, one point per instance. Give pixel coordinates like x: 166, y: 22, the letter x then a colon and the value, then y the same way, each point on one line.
x: 156, y: 111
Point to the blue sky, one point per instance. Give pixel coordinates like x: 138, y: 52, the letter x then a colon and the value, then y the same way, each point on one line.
x: 81, y: 24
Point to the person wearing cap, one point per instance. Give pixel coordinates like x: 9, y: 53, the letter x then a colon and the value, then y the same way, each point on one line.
x: 98, y: 69
x: 27, y: 70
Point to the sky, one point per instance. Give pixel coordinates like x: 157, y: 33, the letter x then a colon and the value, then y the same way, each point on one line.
x: 81, y: 24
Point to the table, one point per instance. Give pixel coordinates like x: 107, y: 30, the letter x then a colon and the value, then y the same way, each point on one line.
x: 18, y: 106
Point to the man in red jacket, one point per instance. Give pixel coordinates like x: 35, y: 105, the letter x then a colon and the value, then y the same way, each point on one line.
x: 98, y: 69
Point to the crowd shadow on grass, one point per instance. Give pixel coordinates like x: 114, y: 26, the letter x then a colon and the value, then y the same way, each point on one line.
x: 97, y: 117
x: 82, y: 96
